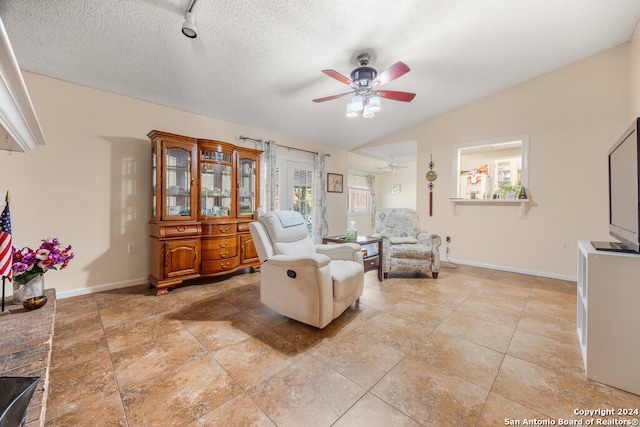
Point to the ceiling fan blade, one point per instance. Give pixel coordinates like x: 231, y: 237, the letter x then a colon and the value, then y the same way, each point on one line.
x: 395, y: 95
x: 396, y: 70
x: 329, y: 98
x: 339, y: 77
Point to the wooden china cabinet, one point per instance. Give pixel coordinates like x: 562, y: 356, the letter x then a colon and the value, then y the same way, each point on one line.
x: 205, y: 193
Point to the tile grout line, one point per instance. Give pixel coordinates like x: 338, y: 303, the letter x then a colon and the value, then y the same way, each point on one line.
x: 113, y: 369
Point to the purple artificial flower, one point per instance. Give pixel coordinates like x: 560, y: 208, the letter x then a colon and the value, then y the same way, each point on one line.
x: 49, y: 256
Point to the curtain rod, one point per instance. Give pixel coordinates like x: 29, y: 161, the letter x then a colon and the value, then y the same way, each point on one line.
x: 244, y: 138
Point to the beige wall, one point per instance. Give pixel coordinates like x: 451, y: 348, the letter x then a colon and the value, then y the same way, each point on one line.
x: 90, y: 184
x: 406, y: 178
x: 572, y: 117
x: 634, y: 75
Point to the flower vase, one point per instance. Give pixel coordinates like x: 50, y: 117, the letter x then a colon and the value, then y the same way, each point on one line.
x: 31, y: 293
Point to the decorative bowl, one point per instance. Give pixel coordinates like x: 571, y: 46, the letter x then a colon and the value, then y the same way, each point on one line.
x: 35, y: 302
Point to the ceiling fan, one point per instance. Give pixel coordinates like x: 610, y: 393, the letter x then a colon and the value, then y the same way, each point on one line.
x: 365, y: 82
x: 393, y: 166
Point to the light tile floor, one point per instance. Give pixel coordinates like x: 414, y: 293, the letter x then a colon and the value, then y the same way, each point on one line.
x: 475, y: 347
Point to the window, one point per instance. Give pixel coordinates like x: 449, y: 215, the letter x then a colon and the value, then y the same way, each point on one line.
x: 359, y: 195
x: 493, y: 169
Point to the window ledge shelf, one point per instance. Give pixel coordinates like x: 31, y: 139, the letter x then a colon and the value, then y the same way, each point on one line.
x: 523, y: 203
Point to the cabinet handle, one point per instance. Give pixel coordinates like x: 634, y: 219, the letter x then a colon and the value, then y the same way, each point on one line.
x: 224, y: 230
x: 223, y: 244
x: 181, y: 229
x: 195, y: 257
x: 224, y: 254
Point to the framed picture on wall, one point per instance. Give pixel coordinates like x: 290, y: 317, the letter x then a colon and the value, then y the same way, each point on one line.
x: 334, y: 183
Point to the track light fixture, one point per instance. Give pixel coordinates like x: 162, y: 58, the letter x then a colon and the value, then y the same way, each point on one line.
x: 189, y: 28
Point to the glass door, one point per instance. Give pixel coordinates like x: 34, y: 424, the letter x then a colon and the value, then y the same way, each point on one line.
x: 154, y: 179
x: 247, y: 188
x: 302, y: 192
x: 216, y: 185
x: 178, y: 182
x: 297, y: 189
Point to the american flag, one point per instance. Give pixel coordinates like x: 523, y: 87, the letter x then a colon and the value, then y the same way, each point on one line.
x: 6, y: 247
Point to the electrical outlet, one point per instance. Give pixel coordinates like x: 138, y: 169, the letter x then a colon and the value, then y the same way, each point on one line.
x: 448, y: 239
x: 131, y: 248
x: 564, y: 246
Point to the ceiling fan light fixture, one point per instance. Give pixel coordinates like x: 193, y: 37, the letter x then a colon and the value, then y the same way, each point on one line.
x: 368, y: 113
x: 189, y: 28
x: 356, y: 102
x: 351, y: 110
x: 374, y: 104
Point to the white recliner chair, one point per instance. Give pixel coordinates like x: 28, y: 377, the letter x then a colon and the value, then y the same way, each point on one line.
x: 312, y: 284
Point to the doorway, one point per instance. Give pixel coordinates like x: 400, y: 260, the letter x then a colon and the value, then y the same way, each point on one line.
x: 294, y: 182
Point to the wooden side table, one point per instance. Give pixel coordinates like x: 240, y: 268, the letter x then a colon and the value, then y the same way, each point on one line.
x: 372, y: 261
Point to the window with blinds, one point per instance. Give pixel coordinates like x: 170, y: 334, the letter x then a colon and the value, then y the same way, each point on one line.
x: 359, y: 195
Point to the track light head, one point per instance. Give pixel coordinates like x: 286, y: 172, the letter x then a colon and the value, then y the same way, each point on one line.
x: 189, y: 28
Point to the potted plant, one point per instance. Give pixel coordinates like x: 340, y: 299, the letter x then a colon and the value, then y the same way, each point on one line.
x: 509, y: 191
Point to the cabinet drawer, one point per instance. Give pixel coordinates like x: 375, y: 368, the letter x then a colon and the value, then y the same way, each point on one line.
x: 220, y: 243
x: 372, y: 262
x: 219, y: 229
x: 225, y: 253
x: 219, y: 265
x: 219, y: 248
x: 179, y: 230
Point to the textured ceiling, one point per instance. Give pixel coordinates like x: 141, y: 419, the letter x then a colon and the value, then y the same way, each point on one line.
x: 259, y: 63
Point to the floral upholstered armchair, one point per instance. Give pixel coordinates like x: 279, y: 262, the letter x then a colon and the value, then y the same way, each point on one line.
x: 405, y: 247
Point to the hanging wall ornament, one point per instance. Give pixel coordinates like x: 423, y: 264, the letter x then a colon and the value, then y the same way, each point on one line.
x: 431, y: 177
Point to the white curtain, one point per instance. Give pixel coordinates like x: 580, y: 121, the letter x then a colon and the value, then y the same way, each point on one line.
x: 267, y: 176
x: 371, y: 183
x: 320, y: 227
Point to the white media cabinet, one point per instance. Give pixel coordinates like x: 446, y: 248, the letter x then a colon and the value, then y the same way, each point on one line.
x: 609, y: 316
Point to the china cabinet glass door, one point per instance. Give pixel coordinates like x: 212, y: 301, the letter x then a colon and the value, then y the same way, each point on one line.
x: 247, y: 189
x: 216, y: 185
x: 154, y: 179
x: 177, y: 182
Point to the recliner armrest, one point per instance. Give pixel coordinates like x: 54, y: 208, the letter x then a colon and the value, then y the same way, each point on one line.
x: 291, y: 261
x: 340, y: 251
x: 431, y: 240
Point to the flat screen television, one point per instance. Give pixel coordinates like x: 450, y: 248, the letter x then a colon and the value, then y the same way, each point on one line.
x: 624, y: 192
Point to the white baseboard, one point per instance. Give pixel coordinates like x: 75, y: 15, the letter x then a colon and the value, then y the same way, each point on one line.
x: 100, y: 288
x: 511, y: 269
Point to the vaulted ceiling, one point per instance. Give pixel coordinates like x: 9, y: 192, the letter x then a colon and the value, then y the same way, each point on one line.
x: 259, y: 63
